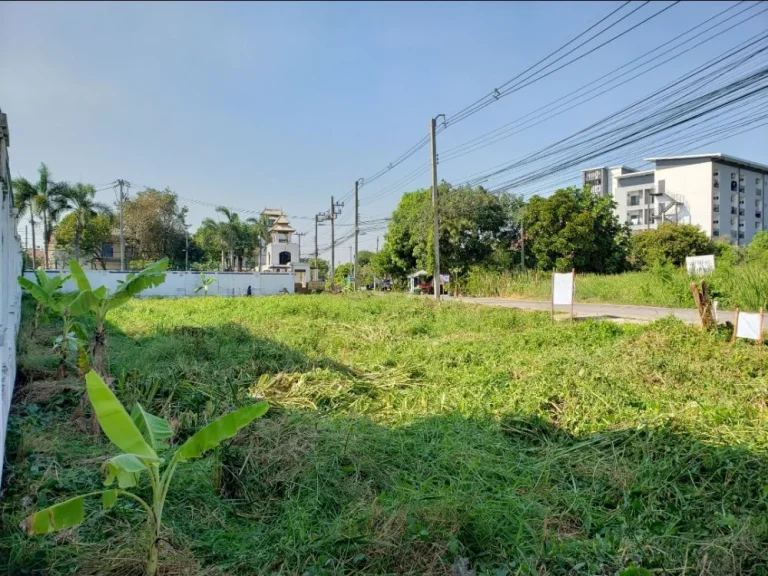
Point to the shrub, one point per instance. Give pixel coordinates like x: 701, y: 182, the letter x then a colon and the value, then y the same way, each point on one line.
x: 757, y: 251
x: 669, y: 243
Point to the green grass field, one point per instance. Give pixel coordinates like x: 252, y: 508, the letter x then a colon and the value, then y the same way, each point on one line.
x: 745, y: 287
x: 404, y: 434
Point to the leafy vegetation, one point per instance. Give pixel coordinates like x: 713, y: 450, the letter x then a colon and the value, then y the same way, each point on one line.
x: 141, y: 438
x: 403, y: 436
x: 574, y: 228
x: 204, y: 283
x: 669, y: 244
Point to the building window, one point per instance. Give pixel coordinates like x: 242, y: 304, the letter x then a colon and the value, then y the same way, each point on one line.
x: 733, y: 175
x: 715, y: 221
x: 741, y: 202
x: 107, y: 250
x: 741, y: 212
x: 757, y: 226
x: 733, y: 198
x: 715, y: 232
x: 285, y: 258
x: 757, y: 181
x: 741, y: 235
x: 716, y: 198
x: 716, y: 208
x: 758, y: 214
x: 733, y: 210
x: 741, y: 224
x: 734, y: 185
x: 759, y: 192
x: 716, y: 179
x: 741, y: 189
x: 733, y: 233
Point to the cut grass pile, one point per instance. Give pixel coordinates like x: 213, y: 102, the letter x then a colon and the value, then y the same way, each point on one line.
x: 744, y: 286
x: 403, y: 435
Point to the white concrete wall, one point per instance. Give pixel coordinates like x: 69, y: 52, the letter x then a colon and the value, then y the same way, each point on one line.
x: 179, y: 284
x: 10, y: 292
x: 691, y: 179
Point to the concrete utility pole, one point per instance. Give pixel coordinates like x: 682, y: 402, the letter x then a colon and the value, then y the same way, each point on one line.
x: 332, y: 215
x: 522, y: 243
x: 377, y: 243
x: 299, y: 235
x: 350, y: 257
x: 435, y: 218
x: 357, y: 226
x: 333, y: 244
x: 121, y: 200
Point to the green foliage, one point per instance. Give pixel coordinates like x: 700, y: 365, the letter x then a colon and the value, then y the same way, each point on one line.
x: 155, y: 227
x: 46, y: 199
x: 96, y: 231
x: 573, y: 228
x: 341, y: 272
x: 322, y: 265
x: 757, y: 251
x: 232, y: 242
x: 139, y: 439
x: 100, y: 301
x: 669, y: 243
x: 403, y: 434
x: 474, y: 227
x: 204, y: 283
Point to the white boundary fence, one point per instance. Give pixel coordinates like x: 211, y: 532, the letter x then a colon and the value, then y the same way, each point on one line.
x: 179, y: 284
x: 10, y: 292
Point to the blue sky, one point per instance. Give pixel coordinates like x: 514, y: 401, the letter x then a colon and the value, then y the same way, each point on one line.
x: 284, y: 104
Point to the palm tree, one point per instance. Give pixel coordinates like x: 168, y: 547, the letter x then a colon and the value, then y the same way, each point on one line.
x: 214, y: 231
x: 23, y: 192
x: 46, y: 198
x: 258, y: 230
x: 229, y: 228
x: 81, y: 198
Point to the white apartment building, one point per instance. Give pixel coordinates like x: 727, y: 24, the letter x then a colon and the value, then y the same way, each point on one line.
x: 722, y: 195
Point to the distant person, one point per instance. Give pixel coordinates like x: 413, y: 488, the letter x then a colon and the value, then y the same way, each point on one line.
x: 249, y: 292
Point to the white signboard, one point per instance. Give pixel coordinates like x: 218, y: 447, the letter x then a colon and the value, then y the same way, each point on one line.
x: 562, y: 289
x: 700, y: 265
x: 749, y: 325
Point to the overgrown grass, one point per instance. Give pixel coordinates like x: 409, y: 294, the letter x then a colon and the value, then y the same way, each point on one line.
x: 404, y: 434
x: 745, y: 286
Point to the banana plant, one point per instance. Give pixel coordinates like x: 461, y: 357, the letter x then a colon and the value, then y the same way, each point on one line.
x: 73, y: 337
x: 205, y: 283
x: 100, y: 301
x: 45, y: 291
x: 143, y: 440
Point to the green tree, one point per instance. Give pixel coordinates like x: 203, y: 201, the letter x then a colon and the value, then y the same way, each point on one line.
x: 154, y: 226
x: 669, y: 243
x: 96, y: 231
x: 341, y: 272
x: 573, y: 228
x: 81, y: 198
x: 474, y: 227
x: 46, y: 198
x: 322, y: 266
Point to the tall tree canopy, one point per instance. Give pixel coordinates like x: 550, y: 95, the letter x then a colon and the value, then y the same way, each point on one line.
x: 575, y: 229
x: 154, y: 226
x: 97, y: 230
x: 475, y: 228
x: 45, y: 199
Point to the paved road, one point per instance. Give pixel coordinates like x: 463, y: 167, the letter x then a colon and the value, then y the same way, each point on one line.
x: 637, y: 313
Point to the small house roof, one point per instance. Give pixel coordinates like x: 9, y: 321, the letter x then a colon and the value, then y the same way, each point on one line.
x: 417, y: 274
x: 282, y: 224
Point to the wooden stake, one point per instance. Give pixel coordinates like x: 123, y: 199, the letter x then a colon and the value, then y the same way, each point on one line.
x: 735, y: 326
x: 573, y: 290
x: 552, y: 297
